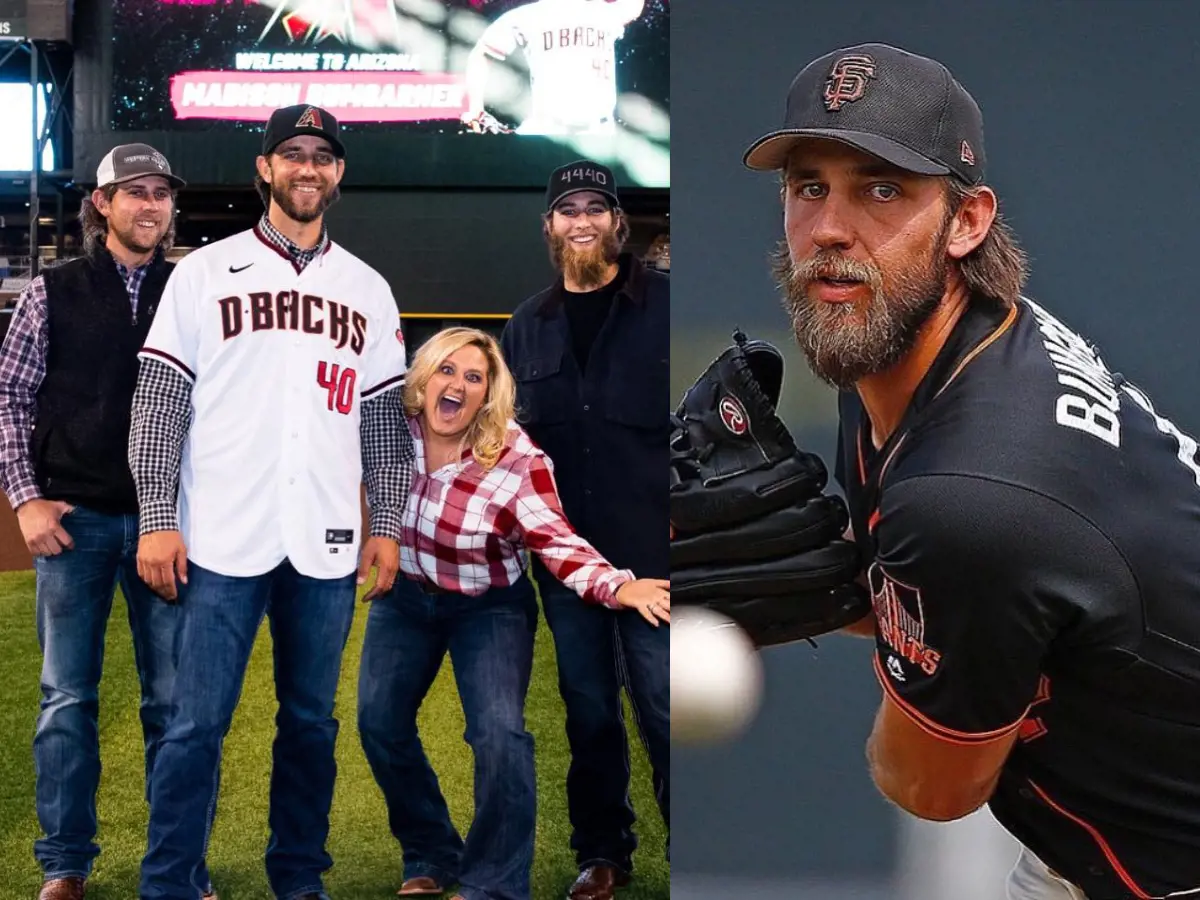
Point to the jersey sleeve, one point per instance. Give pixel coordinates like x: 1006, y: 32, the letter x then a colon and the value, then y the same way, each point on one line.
x: 385, y: 360
x: 174, y: 336
x: 503, y: 36
x: 971, y: 582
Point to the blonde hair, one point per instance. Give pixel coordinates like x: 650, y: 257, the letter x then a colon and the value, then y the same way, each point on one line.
x: 487, y: 432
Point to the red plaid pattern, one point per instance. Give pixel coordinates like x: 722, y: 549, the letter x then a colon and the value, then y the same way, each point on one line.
x: 467, y: 529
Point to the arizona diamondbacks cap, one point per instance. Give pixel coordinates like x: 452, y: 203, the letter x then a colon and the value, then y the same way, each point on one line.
x: 907, y: 110
x: 303, y: 119
x: 129, y: 161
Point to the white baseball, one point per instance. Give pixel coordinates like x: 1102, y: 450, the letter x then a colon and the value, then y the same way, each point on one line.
x: 716, y: 677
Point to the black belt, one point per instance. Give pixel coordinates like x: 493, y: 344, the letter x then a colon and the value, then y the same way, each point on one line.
x: 430, y: 588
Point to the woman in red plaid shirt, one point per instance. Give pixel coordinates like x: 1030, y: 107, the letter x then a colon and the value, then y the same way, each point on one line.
x: 482, y: 498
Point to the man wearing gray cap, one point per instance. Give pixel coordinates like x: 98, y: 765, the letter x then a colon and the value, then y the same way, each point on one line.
x: 591, y: 357
x: 1028, y: 521
x: 68, y: 367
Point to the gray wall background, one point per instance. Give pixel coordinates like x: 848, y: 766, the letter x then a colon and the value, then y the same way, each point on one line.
x: 458, y: 252
x: 1091, y: 112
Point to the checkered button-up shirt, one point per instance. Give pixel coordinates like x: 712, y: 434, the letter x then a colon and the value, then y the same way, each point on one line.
x: 299, y: 256
x: 22, y: 370
x: 467, y: 529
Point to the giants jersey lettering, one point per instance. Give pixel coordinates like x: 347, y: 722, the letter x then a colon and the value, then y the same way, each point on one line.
x: 569, y: 46
x: 280, y: 364
x: 1033, y: 531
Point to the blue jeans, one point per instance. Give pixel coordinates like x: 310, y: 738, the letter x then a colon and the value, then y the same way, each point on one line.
x: 221, y: 615
x: 490, y: 639
x: 598, y: 652
x: 74, y: 600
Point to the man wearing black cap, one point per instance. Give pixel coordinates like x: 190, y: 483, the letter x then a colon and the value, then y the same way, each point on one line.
x: 591, y: 358
x: 67, y: 372
x: 1029, y: 523
x: 268, y: 393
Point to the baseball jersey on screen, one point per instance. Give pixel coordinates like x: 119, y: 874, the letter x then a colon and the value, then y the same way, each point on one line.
x: 570, y: 49
x: 280, y: 363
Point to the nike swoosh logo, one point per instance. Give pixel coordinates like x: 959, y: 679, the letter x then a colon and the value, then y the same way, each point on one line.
x: 242, y: 269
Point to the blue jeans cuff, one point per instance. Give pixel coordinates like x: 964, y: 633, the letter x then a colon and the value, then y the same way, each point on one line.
x: 425, y: 870
x: 310, y: 889
x: 625, y: 868
x: 67, y: 873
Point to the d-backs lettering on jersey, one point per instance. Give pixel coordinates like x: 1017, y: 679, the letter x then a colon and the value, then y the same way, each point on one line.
x: 289, y: 310
x: 281, y: 363
x: 1045, y: 545
x: 570, y: 48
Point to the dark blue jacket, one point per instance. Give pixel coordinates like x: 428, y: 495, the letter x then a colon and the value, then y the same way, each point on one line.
x: 607, y: 432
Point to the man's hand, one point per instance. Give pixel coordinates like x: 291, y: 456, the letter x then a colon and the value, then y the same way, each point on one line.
x: 161, y: 557
x: 382, y: 554
x: 41, y: 526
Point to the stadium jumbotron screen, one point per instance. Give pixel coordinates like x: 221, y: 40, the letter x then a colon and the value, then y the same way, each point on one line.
x: 594, y: 74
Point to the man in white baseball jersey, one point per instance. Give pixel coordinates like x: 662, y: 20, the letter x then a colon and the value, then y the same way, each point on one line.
x: 268, y: 392
x: 570, y: 49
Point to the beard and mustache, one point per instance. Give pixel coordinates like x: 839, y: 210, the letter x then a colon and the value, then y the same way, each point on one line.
x: 281, y: 193
x: 844, y: 342
x: 585, y: 266
x: 128, y: 234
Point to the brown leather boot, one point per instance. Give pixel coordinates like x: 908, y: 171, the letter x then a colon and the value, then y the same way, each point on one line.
x: 598, y: 882
x: 421, y: 886
x: 69, y: 888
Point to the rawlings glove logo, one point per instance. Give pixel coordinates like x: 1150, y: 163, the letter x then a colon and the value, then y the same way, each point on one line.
x: 733, y: 414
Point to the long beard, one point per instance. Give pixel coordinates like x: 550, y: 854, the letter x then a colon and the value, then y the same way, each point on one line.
x: 585, y: 266
x: 281, y: 194
x: 845, y: 342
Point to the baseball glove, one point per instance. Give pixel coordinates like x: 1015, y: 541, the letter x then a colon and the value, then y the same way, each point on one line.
x: 755, y: 536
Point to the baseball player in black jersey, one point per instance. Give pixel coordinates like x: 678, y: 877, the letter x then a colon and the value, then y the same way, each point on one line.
x: 1030, y: 523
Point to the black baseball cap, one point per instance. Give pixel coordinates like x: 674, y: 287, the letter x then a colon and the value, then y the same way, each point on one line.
x: 907, y: 110
x: 581, y: 175
x: 126, y: 162
x: 302, y: 119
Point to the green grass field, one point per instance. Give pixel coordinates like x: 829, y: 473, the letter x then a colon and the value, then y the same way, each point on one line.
x: 366, y: 857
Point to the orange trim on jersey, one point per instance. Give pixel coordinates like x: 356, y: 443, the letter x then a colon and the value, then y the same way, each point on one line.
x: 873, y: 521
x: 983, y: 345
x: 926, y: 724
x: 862, y: 466
x: 1096, y: 836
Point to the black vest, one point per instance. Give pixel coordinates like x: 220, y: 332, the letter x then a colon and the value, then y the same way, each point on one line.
x: 81, y: 439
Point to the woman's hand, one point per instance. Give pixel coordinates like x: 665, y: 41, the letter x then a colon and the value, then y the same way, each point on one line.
x: 651, y: 597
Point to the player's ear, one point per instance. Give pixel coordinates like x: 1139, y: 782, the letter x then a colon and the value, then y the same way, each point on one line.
x: 264, y: 169
x: 972, y: 222
x: 622, y: 225
x: 100, y: 201
x: 341, y: 170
